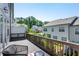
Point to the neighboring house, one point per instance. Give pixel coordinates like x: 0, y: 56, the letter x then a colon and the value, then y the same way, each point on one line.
x: 34, y: 27
x: 40, y: 29
x: 63, y: 29
x: 37, y: 28
x: 6, y: 18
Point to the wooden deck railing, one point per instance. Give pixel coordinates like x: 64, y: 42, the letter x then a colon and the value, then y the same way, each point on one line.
x: 54, y: 47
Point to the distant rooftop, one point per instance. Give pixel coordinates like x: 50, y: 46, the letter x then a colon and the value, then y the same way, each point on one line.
x: 62, y: 21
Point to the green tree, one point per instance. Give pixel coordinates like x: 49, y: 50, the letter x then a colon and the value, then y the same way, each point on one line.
x: 30, y: 21
x: 40, y: 23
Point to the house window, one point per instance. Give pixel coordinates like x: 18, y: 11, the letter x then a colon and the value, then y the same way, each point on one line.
x: 77, y: 31
x: 61, y: 29
x: 45, y: 29
x: 54, y: 37
x: 52, y: 29
x: 49, y: 35
x: 63, y: 38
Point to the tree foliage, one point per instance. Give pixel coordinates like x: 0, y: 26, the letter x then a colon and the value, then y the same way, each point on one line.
x: 30, y: 21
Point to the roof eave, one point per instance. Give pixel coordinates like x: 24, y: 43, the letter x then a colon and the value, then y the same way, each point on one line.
x: 57, y: 25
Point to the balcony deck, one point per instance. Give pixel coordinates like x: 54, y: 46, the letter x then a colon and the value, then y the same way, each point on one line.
x: 31, y: 46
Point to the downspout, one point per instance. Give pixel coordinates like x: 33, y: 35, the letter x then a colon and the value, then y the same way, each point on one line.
x: 11, y: 8
x: 68, y: 33
x: 10, y: 21
x: 3, y: 32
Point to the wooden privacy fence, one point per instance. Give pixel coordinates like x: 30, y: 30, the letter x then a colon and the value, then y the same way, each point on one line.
x: 54, y: 47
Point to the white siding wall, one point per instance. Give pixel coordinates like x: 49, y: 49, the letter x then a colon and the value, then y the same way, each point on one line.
x: 6, y: 17
x: 56, y: 31
x: 74, y: 37
x: 18, y: 29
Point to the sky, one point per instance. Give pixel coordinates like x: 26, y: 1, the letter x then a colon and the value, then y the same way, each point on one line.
x: 46, y: 11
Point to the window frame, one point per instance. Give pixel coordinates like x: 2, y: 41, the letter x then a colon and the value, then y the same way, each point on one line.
x: 45, y: 29
x: 55, y: 37
x: 61, y: 29
x: 64, y: 39
x: 77, y: 31
x: 52, y: 29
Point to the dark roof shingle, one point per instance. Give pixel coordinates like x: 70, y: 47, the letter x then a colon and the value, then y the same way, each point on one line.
x: 61, y: 21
